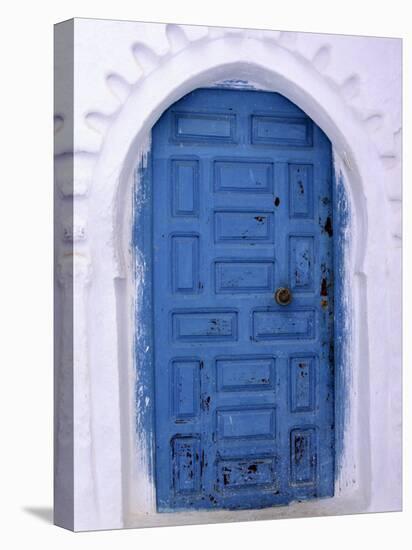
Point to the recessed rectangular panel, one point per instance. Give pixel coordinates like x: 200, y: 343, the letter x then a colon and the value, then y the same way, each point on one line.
x: 238, y: 226
x: 244, y: 176
x: 283, y: 325
x: 301, y: 190
x: 185, y: 263
x: 301, y: 262
x: 234, y: 276
x: 245, y: 373
x: 286, y: 131
x: 185, y: 187
x: 258, y: 423
x: 302, y: 383
x: 303, y: 456
x: 185, y: 388
x: 200, y: 127
x: 202, y: 326
x: 186, y: 464
x: 246, y: 472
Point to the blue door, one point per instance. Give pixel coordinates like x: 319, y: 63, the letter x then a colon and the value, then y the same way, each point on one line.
x: 243, y: 305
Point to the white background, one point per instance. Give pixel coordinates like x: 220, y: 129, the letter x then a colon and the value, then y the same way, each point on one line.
x: 26, y: 305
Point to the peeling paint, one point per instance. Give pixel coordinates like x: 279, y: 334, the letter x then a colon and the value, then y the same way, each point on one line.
x: 142, y: 342
x: 340, y: 353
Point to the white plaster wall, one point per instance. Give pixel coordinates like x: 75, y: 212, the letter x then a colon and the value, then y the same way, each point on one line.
x: 125, y: 75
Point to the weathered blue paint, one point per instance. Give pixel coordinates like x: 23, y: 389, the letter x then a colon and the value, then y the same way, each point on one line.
x: 340, y: 355
x: 143, y: 340
x: 244, y: 388
x: 235, y: 84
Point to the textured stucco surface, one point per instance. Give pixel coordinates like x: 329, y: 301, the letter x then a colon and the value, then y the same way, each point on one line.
x: 125, y: 75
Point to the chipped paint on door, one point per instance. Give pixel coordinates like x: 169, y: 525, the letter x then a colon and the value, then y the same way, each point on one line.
x: 244, y: 385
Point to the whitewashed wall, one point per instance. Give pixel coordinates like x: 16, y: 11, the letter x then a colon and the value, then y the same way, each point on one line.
x: 113, y: 80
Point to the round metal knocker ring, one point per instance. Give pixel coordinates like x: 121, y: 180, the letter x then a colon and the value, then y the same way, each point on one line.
x: 283, y: 296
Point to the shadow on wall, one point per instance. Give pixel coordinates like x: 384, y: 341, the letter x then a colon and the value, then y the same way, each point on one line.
x: 43, y: 513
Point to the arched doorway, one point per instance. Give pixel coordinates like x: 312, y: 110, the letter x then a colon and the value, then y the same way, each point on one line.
x: 244, y: 381
x: 117, y: 179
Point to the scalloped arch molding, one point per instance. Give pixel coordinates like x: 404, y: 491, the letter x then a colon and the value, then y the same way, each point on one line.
x: 125, y: 75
